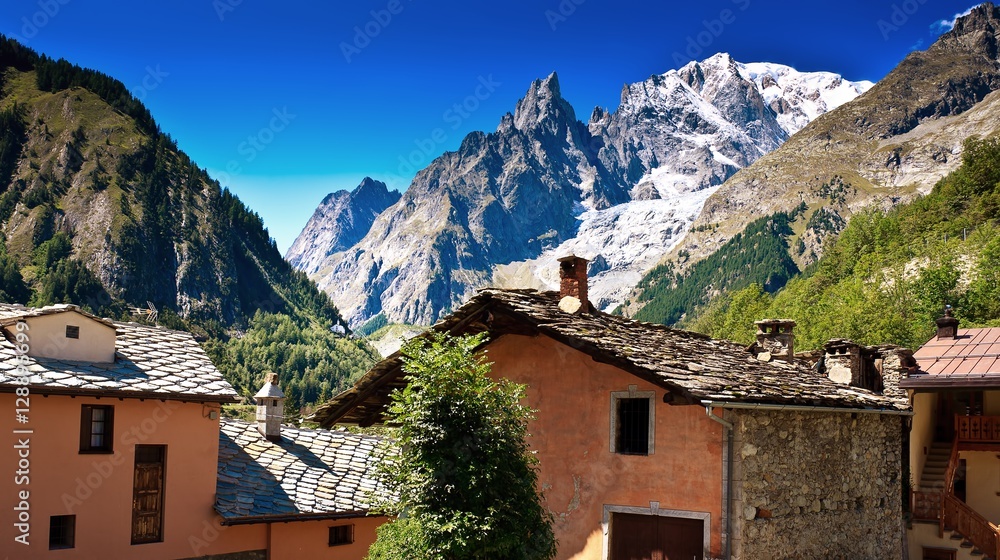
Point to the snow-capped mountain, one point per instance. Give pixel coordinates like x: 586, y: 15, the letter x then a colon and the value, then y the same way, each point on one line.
x: 692, y: 128
x: 799, y: 97
x: 620, y: 190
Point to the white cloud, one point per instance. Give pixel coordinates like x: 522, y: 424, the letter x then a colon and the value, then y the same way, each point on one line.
x: 946, y: 25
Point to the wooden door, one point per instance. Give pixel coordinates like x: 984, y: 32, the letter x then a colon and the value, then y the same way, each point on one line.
x: 147, y: 494
x: 654, y: 537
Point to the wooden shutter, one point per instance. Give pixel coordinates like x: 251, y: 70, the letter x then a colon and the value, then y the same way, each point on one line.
x: 147, y: 494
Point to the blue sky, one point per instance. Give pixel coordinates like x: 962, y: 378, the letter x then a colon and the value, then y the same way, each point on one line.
x: 287, y: 101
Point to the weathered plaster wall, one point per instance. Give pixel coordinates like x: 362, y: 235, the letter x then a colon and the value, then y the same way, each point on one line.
x: 817, y: 485
x: 97, y: 487
x: 982, y: 480
x: 921, y: 432
x: 578, y: 473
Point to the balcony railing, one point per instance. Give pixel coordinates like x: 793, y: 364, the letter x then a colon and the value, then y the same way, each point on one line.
x: 974, y: 527
x: 927, y: 506
x: 977, y: 429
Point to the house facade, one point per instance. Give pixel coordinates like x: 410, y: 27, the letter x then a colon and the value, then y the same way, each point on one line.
x: 659, y: 443
x: 955, y: 444
x: 113, y: 447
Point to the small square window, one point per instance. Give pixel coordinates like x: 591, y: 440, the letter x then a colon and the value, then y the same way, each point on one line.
x: 341, y: 534
x: 62, y: 531
x: 97, y: 429
x: 72, y: 331
x: 632, y: 422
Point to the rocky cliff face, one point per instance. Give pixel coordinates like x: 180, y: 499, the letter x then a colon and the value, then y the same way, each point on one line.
x: 341, y: 220
x: 620, y: 190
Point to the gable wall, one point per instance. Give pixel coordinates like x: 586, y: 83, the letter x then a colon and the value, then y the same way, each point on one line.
x: 97, y: 488
x: 817, y: 485
x: 578, y: 474
x: 47, y: 338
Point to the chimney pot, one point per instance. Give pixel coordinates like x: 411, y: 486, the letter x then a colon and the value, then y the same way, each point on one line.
x: 947, y: 326
x: 775, y: 336
x: 270, y: 408
x: 573, y: 280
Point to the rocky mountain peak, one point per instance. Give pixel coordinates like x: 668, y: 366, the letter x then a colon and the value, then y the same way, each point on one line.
x: 499, y: 210
x: 542, y: 104
x: 984, y: 17
x: 372, y: 191
x: 340, y: 221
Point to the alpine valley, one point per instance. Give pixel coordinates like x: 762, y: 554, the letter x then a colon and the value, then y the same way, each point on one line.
x: 620, y: 190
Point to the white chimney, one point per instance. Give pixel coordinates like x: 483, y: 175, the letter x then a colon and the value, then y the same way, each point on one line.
x: 270, y: 404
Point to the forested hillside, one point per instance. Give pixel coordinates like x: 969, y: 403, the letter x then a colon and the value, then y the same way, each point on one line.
x: 757, y: 255
x: 890, y: 274
x: 98, y: 207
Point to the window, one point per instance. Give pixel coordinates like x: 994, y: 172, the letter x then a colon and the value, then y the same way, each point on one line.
x: 72, y: 331
x: 97, y: 429
x: 341, y: 534
x: 62, y: 531
x: 633, y: 426
x: 632, y: 422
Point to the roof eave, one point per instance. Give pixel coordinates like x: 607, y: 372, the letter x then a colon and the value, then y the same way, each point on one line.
x: 293, y: 517
x: 121, y: 394
x: 932, y: 381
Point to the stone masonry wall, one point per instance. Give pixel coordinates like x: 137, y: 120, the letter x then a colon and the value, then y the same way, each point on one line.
x: 816, y: 485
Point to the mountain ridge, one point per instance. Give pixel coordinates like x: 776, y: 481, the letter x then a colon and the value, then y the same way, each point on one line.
x: 484, y: 214
x: 886, y: 147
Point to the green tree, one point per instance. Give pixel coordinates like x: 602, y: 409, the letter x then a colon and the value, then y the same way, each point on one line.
x: 464, y: 478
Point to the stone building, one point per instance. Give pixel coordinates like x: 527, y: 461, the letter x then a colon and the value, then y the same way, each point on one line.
x: 656, y: 441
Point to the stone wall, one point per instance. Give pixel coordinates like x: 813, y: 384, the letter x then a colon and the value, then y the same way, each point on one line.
x: 816, y: 485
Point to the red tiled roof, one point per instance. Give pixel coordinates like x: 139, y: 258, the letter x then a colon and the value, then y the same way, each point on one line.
x: 970, y: 359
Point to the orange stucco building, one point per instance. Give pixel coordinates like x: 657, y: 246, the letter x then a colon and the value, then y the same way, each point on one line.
x: 113, y: 447
x: 659, y: 443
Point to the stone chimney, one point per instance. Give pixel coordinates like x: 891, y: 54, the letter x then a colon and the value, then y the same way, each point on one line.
x: 774, y: 336
x: 947, y: 326
x: 573, y: 284
x: 843, y: 361
x: 876, y: 368
x: 270, y: 406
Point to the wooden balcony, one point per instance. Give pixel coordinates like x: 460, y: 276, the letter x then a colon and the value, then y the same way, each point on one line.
x: 977, y: 429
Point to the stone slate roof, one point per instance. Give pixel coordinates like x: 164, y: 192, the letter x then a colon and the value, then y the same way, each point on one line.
x: 150, y: 362
x: 971, y: 359
x: 692, y: 366
x: 309, y: 474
